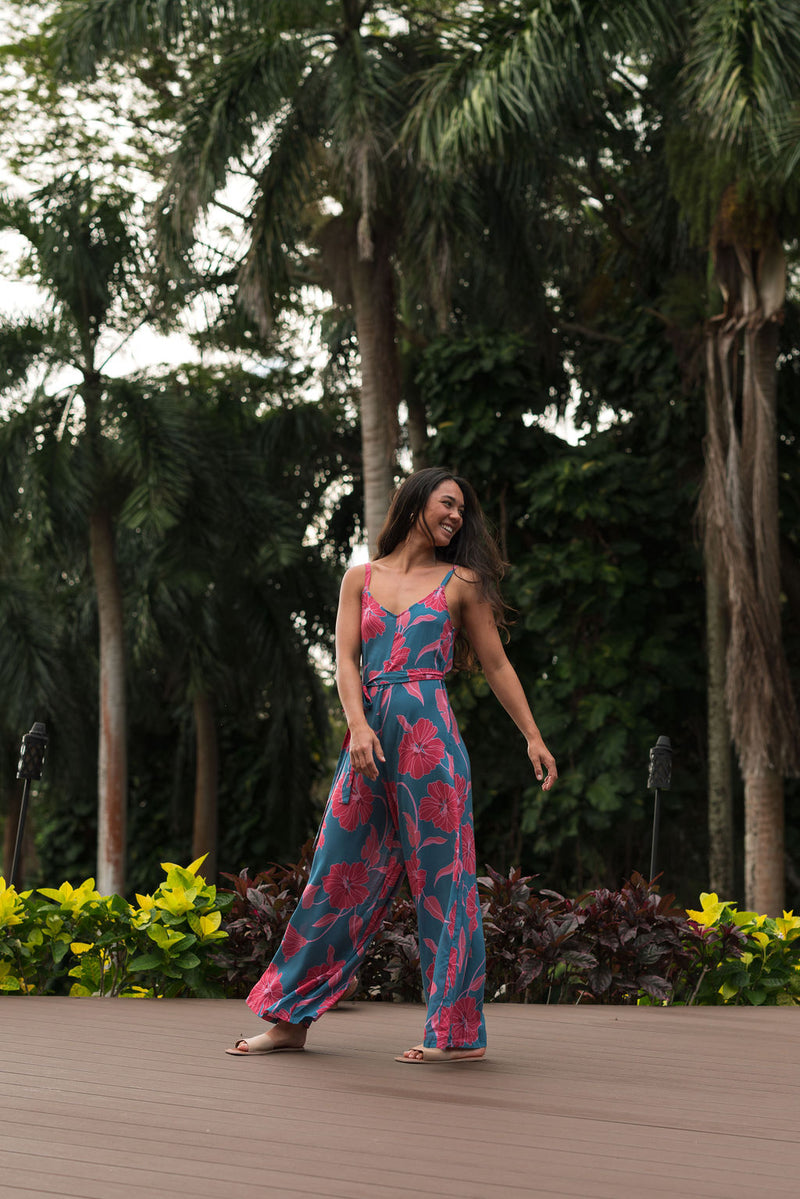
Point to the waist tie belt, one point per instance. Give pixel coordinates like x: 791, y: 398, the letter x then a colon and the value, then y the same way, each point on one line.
x: 387, y: 679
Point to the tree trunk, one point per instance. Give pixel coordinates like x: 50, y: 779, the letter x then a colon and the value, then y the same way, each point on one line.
x: 741, y: 529
x: 112, y: 770
x: 373, y: 307
x: 720, y: 799
x: 763, y: 843
x: 204, y: 834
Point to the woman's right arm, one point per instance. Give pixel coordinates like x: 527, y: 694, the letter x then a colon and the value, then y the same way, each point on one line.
x: 364, y: 744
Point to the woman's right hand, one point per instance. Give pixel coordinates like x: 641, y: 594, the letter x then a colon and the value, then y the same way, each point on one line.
x: 364, y: 749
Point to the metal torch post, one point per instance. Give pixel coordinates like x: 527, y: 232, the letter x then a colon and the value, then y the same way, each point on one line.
x: 659, y: 779
x: 31, y: 763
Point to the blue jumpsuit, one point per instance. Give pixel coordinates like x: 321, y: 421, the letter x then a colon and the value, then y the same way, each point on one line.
x: 415, y: 817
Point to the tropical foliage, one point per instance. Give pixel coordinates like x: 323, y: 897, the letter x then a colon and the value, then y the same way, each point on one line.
x: 609, y: 947
x: 155, y: 947
x: 508, y: 212
x: 767, y: 968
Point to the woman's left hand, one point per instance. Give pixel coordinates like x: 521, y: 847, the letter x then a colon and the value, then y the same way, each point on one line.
x: 543, y: 762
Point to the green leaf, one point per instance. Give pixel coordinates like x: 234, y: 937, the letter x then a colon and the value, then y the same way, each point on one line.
x: 59, y: 950
x: 145, y: 961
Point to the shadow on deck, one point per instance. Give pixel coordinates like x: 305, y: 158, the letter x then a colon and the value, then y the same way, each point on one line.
x: 119, y: 1098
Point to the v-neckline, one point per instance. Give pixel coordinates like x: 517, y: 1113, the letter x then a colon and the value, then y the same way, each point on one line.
x: 397, y: 615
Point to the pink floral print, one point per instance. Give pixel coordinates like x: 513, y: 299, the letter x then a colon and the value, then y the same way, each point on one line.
x: 415, y: 819
x: 441, y: 806
x: 421, y: 749
x: 346, y: 884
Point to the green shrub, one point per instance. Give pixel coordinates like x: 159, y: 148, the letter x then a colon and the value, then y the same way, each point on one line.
x: 766, y: 968
x: 625, y: 946
x: 108, y: 946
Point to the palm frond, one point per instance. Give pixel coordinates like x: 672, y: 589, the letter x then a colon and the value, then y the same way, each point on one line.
x: 155, y: 443
x: 83, y: 242
x: 742, y: 74
x: 527, y: 73
x: 83, y: 32
x: 366, y: 97
x: 288, y: 183
x: 23, y: 343
x: 30, y: 667
x: 235, y: 100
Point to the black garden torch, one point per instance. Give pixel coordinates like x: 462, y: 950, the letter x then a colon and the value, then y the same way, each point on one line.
x: 658, y: 780
x: 31, y: 763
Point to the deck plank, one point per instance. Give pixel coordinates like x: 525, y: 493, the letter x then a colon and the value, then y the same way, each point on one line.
x: 116, y: 1098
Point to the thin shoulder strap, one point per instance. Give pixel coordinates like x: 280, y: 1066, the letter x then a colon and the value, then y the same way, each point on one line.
x: 367, y: 574
x: 447, y: 577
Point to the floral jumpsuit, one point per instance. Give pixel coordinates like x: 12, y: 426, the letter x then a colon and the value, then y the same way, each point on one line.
x: 416, y: 816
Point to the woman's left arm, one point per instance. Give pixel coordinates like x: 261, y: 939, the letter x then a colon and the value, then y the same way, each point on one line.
x: 477, y: 620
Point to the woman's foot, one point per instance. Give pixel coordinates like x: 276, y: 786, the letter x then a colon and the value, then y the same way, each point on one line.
x: 281, y: 1038
x: 421, y: 1055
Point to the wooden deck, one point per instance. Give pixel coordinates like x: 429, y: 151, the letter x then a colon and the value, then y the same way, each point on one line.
x: 123, y: 1098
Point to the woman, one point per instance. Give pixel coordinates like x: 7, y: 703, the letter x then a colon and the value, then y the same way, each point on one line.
x: 401, y: 797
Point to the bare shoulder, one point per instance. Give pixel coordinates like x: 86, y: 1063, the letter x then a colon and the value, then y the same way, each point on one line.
x: 465, y: 574
x: 354, y: 579
x: 467, y: 584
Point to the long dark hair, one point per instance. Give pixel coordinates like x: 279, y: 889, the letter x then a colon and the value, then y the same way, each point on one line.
x: 473, y: 546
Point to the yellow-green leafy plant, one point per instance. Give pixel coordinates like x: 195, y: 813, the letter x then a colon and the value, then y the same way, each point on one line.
x: 158, y: 946
x: 13, y: 933
x: 766, y: 967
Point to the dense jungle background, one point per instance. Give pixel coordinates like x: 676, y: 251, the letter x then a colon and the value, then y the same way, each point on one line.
x: 262, y: 259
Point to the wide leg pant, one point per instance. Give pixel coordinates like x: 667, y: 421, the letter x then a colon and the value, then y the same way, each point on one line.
x: 372, y: 832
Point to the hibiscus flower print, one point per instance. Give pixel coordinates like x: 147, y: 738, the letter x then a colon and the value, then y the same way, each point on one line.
x: 269, y: 988
x: 437, y: 601
x: 331, y: 973
x: 468, y: 849
x: 371, y: 849
x: 420, y: 749
x: 357, y: 810
x: 371, y: 623
x: 416, y: 875
x: 472, y: 909
x: 398, y: 655
x: 465, y: 1021
x: 346, y: 884
x: 441, y: 806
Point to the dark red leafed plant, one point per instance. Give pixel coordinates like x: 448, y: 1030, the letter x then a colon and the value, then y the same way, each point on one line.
x: 632, y: 941
x: 526, y: 937
x: 604, y: 947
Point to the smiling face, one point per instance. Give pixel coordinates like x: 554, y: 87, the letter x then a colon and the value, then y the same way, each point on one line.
x: 443, y: 514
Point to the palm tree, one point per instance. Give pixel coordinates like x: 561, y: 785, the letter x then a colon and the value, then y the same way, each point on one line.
x: 742, y: 80
x: 66, y: 455
x: 306, y: 101
x: 539, y: 70
x: 230, y: 599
